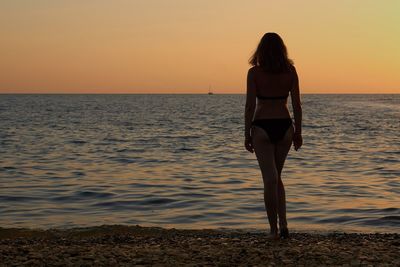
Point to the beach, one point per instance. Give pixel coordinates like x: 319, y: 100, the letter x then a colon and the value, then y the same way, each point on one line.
x: 120, y: 245
x: 127, y: 138
x: 105, y: 163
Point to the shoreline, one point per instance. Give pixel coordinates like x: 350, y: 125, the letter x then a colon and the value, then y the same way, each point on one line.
x: 123, y: 245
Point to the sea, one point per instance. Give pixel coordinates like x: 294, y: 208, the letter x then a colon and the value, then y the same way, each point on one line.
x: 178, y: 161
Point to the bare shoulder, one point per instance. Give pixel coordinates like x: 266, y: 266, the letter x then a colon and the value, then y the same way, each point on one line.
x: 293, y: 71
x: 253, y: 71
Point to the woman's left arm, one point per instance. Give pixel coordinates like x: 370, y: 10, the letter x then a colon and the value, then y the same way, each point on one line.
x: 250, y: 107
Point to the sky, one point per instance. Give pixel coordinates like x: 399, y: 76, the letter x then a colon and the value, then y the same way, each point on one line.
x: 184, y: 46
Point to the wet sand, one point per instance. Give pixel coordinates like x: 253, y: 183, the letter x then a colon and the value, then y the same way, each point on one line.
x: 118, y: 245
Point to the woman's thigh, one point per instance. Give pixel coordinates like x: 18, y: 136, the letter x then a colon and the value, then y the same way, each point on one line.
x: 265, y: 152
x: 282, y: 148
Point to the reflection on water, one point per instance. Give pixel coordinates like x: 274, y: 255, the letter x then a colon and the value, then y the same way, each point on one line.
x: 178, y: 161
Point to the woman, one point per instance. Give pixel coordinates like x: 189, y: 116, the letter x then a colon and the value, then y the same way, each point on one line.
x: 268, y: 127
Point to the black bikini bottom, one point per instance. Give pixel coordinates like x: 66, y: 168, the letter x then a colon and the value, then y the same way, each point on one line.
x: 274, y: 128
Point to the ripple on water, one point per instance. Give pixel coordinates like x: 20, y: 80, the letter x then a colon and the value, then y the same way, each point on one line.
x: 77, y: 142
x: 179, y: 160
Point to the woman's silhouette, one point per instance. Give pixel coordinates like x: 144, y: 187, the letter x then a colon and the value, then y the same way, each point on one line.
x: 268, y: 127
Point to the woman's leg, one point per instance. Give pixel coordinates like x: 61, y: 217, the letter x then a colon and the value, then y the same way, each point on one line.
x: 265, y: 153
x: 281, y: 151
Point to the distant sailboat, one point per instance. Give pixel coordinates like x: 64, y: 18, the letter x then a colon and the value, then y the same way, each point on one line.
x: 209, y: 90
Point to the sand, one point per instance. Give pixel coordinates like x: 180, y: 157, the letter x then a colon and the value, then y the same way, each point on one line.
x: 118, y: 245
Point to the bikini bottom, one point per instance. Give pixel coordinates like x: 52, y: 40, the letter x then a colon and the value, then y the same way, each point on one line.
x: 274, y: 128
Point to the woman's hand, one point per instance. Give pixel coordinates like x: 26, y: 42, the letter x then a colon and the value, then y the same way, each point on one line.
x: 297, y: 141
x: 248, y: 143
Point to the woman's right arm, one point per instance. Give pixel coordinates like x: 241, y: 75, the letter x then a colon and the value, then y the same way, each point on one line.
x: 297, y: 111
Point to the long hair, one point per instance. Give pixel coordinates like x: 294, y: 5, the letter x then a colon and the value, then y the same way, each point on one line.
x: 271, y: 54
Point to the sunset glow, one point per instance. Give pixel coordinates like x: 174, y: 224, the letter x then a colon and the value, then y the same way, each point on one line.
x: 180, y: 46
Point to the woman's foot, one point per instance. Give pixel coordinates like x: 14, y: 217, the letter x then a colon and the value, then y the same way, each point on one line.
x: 273, y: 235
x: 284, y: 233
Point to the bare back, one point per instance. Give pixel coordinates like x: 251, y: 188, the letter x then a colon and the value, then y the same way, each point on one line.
x: 272, y: 85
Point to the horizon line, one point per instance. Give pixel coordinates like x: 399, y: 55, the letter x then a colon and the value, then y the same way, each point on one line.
x: 85, y: 93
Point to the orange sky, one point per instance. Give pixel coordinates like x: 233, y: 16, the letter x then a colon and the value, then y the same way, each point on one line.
x: 182, y: 46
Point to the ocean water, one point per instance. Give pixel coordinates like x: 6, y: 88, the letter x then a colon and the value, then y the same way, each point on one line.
x: 179, y: 161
